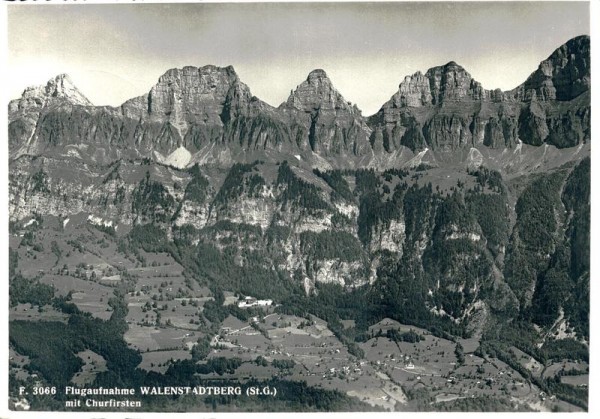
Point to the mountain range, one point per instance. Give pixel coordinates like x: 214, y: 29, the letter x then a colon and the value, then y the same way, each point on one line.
x: 454, y: 208
x: 207, y: 115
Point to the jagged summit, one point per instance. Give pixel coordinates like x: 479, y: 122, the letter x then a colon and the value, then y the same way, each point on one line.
x: 58, y: 88
x: 206, y: 76
x: 564, y: 75
x: 317, y: 73
x: 196, y: 91
x: 446, y: 83
x: 209, y: 95
x: 317, y: 92
x: 452, y: 82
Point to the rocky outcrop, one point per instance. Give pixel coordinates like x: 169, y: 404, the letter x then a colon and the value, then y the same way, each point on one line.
x: 452, y: 83
x: 414, y: 91
x: 388, y: 237
x: 563, y: 76
x: 24, y: 113
x: 321, y: 119
x: 57, y: 90
x: 445, y: 109
x: 447, y: 83
x: 317, y: 93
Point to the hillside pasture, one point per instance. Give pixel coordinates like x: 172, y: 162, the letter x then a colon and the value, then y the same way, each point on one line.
x: 93, y: 364
x: 158, y: 361
x: 36, y: 313
x: 88, y: 296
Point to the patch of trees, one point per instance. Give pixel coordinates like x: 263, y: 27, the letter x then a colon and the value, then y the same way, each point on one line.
x: 557, y: 350
x: 152, y: 200
x: 240, y: 230
x: 488, y: 178
x: 53, y: 345
x: 533, y: 236
x: 492, y: 215
x: 299, y: 396
x: 397, y: 336
x: 113, y: 174
x: 28, y: 239
x: 283, y: 364
x: 422, y: 167
x: 106, y: 339
x: 13, y: 262
x: 459, y: 351
x: 255, y: 277
x: 184, y: 235
x: 479, y: 404
x: 110, y: 230
x: 330, y: 245
x: 401, y: 293
x: 576, y: 198
x: 50, y: 347
x: 374, y: 211
x: 276, y: 233
x: 39, y: 182
x: 367, y: 180
x: 521, y: 334
x: 28, y: 290
x: 459, y: 261
x: 219, y: 365
x: 297, y: 192
x: 201, y: 349
x: 197, y: 189
x: 149, y: 237
x: 335, y: 179
x: 240, y: 181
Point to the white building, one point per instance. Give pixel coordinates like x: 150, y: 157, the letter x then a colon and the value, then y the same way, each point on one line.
x: 252, y: 302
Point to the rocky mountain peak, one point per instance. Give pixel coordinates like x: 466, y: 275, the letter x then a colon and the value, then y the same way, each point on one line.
x: 194, y: 91
x: 564, y: 75
x: 446, y: 83
x: 451, y: 82
x: 208, y: 94
x: 59, y: 88
x: 317, y: 93
x: 318, y: 75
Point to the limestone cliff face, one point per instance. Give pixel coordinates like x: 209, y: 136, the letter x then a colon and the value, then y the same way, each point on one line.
x: 563, y: 76
x: 323, y: 121
x: 57, y: 90
x: 451, y: 82
x: 207, y: 95
x: 317, y: 93
x: 413, y: 92
x: 24, y: 113
x: 447, y: 83
x: 445, y: 109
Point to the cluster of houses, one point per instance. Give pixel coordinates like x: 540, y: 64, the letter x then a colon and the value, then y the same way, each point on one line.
x: 253, y: 302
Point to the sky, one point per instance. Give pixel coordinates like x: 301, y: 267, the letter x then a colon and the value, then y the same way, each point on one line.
x: 117, y: 51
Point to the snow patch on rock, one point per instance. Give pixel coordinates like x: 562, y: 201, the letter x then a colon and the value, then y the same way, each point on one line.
x: 179, y: 158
